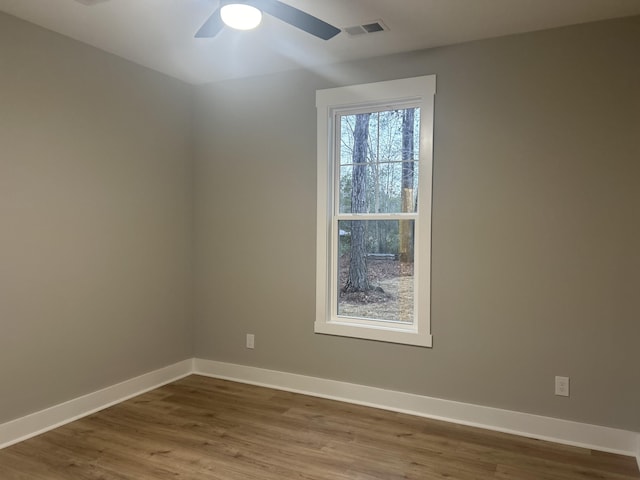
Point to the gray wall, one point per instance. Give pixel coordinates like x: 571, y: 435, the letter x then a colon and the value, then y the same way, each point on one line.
x: 95, y: 219
x: 536, y: 267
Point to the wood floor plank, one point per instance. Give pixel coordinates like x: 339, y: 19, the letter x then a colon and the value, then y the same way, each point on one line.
x: 200, y: 428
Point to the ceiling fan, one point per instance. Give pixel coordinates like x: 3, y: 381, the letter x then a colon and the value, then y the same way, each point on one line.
x: 248, y: 14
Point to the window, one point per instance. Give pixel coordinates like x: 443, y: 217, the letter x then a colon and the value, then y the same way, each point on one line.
x: 374, y: 210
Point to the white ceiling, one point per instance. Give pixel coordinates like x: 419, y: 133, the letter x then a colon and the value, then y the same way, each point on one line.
x: 159, y: 33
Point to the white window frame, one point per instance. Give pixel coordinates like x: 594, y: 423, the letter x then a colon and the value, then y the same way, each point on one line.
x: 330, y: 103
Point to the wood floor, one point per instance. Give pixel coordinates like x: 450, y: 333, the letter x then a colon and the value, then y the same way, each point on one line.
x: 200, y: 428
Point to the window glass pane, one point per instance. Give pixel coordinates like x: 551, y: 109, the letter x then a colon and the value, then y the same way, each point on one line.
x: 375, y: 269
x: 378, y: 161
x: 389, y: 187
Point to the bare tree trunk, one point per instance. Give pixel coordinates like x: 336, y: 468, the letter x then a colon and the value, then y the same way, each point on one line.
x: 406, y: 245
x: 375, y: 162
x: 358, y: 280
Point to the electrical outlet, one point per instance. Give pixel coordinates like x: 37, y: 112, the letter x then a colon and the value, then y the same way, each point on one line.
x: 562, y: 386
x: 251, y: 340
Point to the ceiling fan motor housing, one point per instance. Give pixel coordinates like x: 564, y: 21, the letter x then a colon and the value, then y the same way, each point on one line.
x: 286, y: 13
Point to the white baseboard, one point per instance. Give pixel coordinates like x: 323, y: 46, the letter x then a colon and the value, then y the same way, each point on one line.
x: 31, y: 425
x: 523, y: 424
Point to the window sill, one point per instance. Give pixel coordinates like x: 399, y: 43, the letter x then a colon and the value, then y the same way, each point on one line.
x: 406, y: 336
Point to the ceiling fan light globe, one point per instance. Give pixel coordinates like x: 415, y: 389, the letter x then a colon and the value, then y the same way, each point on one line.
x: 241, y: 16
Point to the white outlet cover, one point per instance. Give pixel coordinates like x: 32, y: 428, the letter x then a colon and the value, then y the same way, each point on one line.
x: 562, y: 386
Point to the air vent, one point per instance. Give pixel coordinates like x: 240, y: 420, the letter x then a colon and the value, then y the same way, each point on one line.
x: 90, y: 3
x: 366, y: 28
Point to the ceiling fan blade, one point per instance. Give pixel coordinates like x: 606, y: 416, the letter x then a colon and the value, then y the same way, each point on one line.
x: 297, y: 18
x: 211, y: 27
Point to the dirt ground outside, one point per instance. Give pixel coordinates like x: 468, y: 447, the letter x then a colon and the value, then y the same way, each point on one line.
x: 392, y: 301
